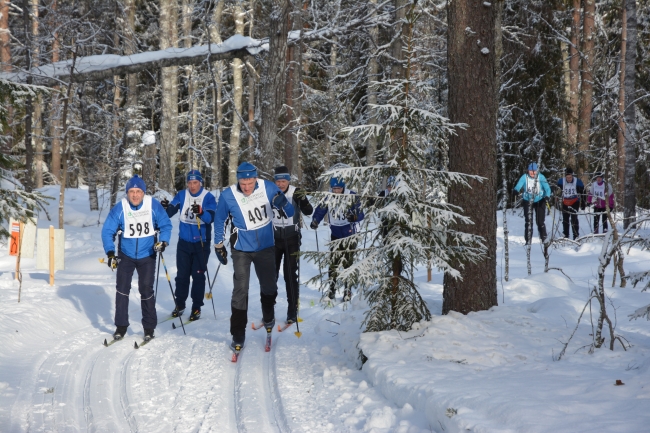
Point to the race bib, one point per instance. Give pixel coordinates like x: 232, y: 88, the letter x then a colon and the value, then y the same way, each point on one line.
x: 338, y: 218
x: 255, y: 208
x: 599, y: 191
x: 570, y: 189
x: 280, y: 221
x: 187, y: 216
x: 138, y: 223
x: 533, y: 187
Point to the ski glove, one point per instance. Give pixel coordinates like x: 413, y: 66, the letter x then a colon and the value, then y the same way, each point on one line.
x: 112, y: 260
x: 159, y: 247
x: 222, y: 253
x: 197, y: 209
x: 351, y: 216
x: 314, y: 224
x: 279, y: 201
x: 164, y: 203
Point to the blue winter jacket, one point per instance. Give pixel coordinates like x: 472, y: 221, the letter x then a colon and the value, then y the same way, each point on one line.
x: 242, y: 239
x: 542, y: 190
x: 340, y: 232
x: 580, y: 188
x: 190, y: 232
x: 136, y: 248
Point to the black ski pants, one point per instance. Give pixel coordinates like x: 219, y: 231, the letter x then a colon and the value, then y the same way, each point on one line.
x: 341, y: 256
x: 289, y: 250
x: 264, y: 262
x: 191, y: 262
x: 539, y: 207
x: 146, y: 268
x: 600, y: 212
x: 571, y: 212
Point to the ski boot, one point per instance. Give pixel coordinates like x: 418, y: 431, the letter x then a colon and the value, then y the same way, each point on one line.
x: 178, y: 312
x: 196, y: 315
x: 148, y: 335
x: 120, y: 332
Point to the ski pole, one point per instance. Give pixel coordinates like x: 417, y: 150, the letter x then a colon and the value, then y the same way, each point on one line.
x: 294, y: 293
x: 172, y: 290
x: 157, y: 277
x: 207, y: 273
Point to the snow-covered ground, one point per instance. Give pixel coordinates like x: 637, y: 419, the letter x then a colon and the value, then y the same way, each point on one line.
x: 492, y: 371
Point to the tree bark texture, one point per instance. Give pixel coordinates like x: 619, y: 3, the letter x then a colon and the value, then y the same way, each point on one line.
x: 620, y: 133
x: 574, y: 84
x: 587, y: 88
x: 629, y: 211
x: 5, y: 59
x: 37, y: 136
x: 373, y: 70
x: 251, y: 86
x: 273, y: 84
x: 169, y: 122
x: 238, y: 94
x: 217, y: 109
x: 55, y: 119
x: 28, y: 182
x: 472, y: 100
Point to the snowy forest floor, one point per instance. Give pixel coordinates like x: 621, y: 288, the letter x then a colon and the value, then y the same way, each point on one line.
x: 492, y: 371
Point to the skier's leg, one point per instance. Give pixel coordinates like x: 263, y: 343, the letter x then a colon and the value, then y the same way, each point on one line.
x: 596, y: 218
x: 291, y: 277
x: 146, y: 275
x: 540, y: 214
x: 198, y: 275
x: 565, y: 220
x: 265, y: 271
x: 122, y: 290
x: 575, y: 225
x: 183, y: 272
x: 241, y: 263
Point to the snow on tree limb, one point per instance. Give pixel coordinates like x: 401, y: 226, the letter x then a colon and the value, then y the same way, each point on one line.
x: 100, y: 67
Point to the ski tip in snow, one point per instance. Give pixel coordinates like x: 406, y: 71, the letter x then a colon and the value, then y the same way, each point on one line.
x: 135, y: 345
x: 105, y: 343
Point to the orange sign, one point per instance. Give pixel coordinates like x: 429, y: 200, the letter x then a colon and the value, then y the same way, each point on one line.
x: 14, y: 246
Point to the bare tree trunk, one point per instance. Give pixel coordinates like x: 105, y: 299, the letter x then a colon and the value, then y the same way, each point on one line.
x: 251, y: 88
x: 5, y: 58
x: 373, y: 69
x: 29, y: 149
x: 238, y: 94
x: 38, y: 126
x: 273, y: 83
x: 188, y: 8
x: 629, y: 211
x: 574, y: 84
x: 64, y: 122
x: 169, y: 122
x: 289, y: 115
x: 55, y: 120
x: 620, y: 133
x: 218, y: 67
x: 331, y: 110
x: 472, y: 100
x: 298, y: 95
x: 587, y: 89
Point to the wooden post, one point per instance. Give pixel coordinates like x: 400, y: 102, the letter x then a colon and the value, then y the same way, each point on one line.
x: 21, y: 230
x: 51, y: 255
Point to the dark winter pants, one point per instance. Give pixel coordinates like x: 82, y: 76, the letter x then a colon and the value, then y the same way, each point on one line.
x: 288, y: 251
x: 264, y: 262
x: 539, y: 208
x: 191, y: 262
x: 600, y: 212
x: 572, y: 213
x: 340, y: 256
x: 146, y: 268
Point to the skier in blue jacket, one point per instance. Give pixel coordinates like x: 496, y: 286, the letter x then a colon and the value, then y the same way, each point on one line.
x: 197, y: 207
x: 248, y: 206
x: 342, y: 225
x: 137, y: 217
x: 573, y: 191
x: 536, y: 194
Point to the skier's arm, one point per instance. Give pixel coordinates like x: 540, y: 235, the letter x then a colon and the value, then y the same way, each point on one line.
x: 271, y: 191
x: 175, y: 204
x: 162, y: 222
x: 319, y: 213
x: 209, y: 209
x: 303, y: 203
x: 220, y: 218
x: 110, y: 228
x: 520, y: 184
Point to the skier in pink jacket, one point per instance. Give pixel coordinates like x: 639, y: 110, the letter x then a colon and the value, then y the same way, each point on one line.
x: 599, y: 194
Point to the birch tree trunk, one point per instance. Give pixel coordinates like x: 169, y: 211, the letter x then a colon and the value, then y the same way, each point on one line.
x: 587, y: 87
x: 29, y: 149
x: 629, y: 211
x: 217, y: 108
x: 238, y: 93
x: 574, y: 84
x: 472, y: 100
x: 251, y: 87
x: 273, y: 84
x: 620, y: 133
x: 55, y: 119
x: 169, y: 122
x: 38, y: 126
x: 188, y: 8
x: 373, y: 69
x: 331, y: 97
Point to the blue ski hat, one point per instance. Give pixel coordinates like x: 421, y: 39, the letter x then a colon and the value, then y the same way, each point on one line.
x: 136, y: 182
x: 282, y: 173
x: 336, y: 182
x: 246, y: 170
x: 532, y: 166
x: 195, y: 175
x: 390, y: 182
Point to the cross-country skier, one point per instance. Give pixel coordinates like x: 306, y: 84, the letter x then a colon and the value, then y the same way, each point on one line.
x: 138, y: 217
x: 572, y: 190
x: 600, y: 195
x: 287, y: 238
x: 342, y: 225
x: 535, y: 196
x: 197, y: 207
x: 249, y: 204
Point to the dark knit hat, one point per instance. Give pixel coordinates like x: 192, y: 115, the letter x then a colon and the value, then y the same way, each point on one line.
x: 194, y: 175
x: 282, y: 173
